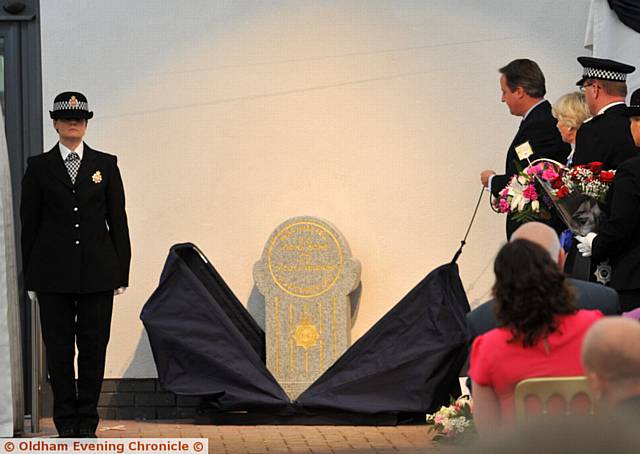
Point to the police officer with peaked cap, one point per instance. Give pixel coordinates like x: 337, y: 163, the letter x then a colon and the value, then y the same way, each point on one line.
x: 618, y: 238
x: 76, y: 255
x: 605, y: 137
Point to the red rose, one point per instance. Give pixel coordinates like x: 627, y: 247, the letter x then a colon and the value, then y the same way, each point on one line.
x: 606, y: 176
x: 595, y: 167
x: 562, y: 192
x: 557, y: 183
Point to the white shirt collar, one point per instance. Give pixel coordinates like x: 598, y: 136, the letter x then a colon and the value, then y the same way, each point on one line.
x: 64, y: 151
x: 601, y: 111
x: 533, y: 107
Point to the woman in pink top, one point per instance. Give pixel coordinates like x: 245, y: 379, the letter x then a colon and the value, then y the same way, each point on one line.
x: 539, y: 335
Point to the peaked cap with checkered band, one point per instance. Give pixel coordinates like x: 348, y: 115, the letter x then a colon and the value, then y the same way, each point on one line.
x: 70, y: 105
x: 603, y: 69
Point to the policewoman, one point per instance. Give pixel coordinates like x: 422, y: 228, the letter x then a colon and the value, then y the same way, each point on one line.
x: 76, y: 254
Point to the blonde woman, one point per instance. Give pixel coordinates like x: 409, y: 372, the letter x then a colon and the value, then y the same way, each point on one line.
x: 571, y: 111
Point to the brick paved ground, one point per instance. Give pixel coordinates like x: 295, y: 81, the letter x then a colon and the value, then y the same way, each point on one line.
x: 274, y: 439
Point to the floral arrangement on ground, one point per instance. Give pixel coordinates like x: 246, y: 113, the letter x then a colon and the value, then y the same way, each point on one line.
x: 453, y: 423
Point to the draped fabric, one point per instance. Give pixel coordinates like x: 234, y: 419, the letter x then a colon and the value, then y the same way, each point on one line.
x: 612, y: 32
x: 205, y: 343
x: 628, y: 11
x: 10, y: 363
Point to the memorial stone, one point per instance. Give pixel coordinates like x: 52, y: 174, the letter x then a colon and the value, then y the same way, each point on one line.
x: 305, y: 274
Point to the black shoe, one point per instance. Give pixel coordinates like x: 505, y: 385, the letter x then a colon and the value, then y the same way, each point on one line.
x: 66, y: 433
x: 85, y: 433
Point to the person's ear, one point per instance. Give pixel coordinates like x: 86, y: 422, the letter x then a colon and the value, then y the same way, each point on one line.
x: 562, y: 257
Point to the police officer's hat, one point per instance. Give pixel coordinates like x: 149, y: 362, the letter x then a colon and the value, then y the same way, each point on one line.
x: 70, y: 105
x: 603, y: 69
x: 633, y: 110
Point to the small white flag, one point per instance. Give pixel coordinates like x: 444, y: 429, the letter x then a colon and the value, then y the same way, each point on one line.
x: 524, y: 150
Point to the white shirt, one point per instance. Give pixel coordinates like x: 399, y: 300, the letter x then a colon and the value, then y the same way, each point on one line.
x: 64, y: 151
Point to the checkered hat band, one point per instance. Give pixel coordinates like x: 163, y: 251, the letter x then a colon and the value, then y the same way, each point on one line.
x: 66, y: 105
x: 595, y: 73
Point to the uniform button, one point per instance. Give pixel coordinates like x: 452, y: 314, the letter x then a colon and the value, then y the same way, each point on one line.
x: 73, y: 190
x: 77, y: 225
x: 75, y: 208
x: 77, y: 242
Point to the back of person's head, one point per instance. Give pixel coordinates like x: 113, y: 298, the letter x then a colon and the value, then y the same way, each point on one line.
x: 571, y: 109
x: 527, y: 74
x: 530, y: 291
x: 542, y: 235
x: 614, y: 88
x: 611, y: 357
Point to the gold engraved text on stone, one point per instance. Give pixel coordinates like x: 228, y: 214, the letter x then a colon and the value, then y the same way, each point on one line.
x: 301, y: 248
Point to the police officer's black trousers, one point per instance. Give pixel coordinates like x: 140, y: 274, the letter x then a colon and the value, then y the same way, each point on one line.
x: 68, y: 320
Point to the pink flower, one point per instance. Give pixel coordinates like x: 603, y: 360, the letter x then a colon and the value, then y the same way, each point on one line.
x: 504, y: 206
x: 438, y: 419
x: 530, y: 192
x: 549, y: 174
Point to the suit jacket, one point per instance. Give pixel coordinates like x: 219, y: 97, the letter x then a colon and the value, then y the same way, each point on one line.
x: 75, y: 237
x: 589, y: 296
x: 605, y: 138
x: 539, y: 128
x: 619, y: 237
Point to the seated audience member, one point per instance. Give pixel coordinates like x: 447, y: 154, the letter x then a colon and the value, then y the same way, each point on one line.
x: 588, y: 295
x: 571, y: 111
x: 539, y: 335
x: 611, y: 358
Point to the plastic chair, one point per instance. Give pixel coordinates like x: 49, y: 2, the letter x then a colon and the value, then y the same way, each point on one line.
x: 570, y: 390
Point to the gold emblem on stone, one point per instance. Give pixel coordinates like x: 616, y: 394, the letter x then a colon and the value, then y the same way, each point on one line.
x: 96, y: 177
x: 306, y: 334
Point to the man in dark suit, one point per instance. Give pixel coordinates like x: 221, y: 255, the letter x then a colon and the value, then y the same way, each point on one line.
x: 618, y: 239
x: 523, y: 90
x: 589, y: 295
x: 605, y: 137
x: 76, y: 255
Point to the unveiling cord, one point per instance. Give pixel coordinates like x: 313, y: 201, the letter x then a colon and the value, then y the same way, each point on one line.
x: 464, y: 240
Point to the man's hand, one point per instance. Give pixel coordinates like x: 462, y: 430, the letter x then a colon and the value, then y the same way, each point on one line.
x: 32, y: 296
x: 585, y: 243
x: 484, y: 177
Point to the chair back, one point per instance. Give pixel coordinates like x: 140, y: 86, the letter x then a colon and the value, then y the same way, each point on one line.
x: 546, y: 389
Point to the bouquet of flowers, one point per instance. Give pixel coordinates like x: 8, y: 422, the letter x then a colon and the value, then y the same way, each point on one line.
x: 524, y: 197
x: 578, y: 193
x: 453, y: 422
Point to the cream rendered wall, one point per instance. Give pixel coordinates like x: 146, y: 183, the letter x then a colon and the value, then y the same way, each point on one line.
x: 229, y: 117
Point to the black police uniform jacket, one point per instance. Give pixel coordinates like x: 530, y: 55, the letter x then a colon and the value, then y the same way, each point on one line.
x: 75, y: 237
x: 619, y: 236
x: 539, y: 129
x: 605, y: 138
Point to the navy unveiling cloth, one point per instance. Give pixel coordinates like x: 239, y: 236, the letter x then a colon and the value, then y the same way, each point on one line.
x: 628, y: 11
x: 205, y: 343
